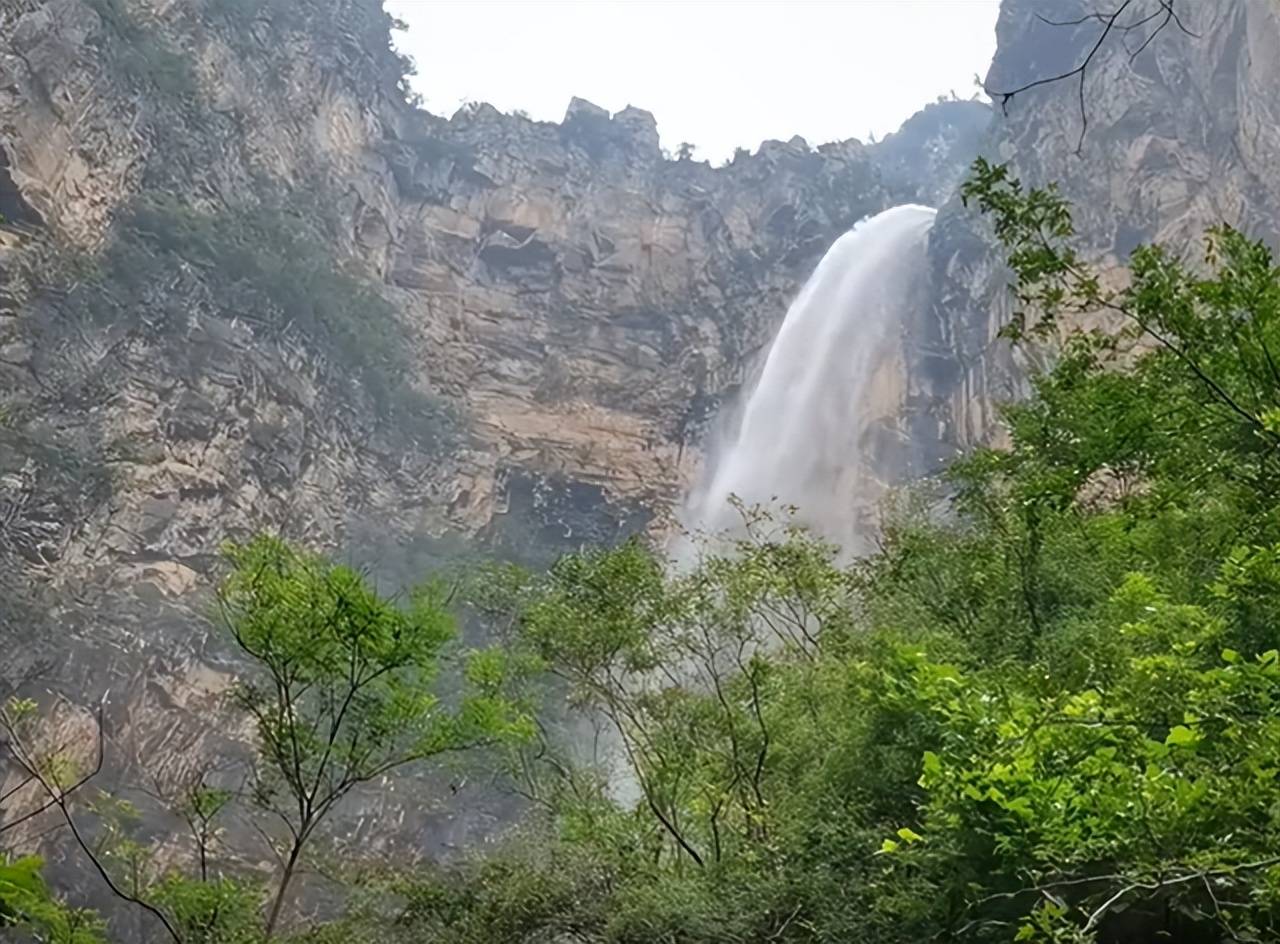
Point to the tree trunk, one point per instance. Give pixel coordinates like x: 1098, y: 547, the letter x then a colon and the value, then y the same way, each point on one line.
x: 285, y: 878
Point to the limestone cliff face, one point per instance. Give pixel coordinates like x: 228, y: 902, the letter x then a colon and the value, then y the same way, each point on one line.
x: 1181, y: 136
x: 578, y: 301
x: 593, y: 300
x: 244, y: 285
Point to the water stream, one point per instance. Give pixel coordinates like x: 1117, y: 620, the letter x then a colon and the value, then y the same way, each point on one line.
x: 805, y: 436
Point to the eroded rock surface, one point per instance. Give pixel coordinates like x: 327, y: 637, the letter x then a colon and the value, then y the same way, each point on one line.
x: 581, y: 301
x: 1181, y: 135
x: 244, y: 285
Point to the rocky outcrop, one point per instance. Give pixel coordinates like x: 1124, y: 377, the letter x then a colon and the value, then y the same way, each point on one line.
x: 575, y: 299
x: 244, y: 284
x: 919, y: 160
x: 1181, y: 135
x: 595, y: 300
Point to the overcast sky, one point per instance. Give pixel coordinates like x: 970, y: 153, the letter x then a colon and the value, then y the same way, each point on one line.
x: 718, y: 73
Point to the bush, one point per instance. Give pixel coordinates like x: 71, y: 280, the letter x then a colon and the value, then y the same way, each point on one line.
x: 1050, y: 718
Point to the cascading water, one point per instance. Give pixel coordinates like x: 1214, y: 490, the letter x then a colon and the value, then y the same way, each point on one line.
x: 808, y: 435
x: 807, y: 432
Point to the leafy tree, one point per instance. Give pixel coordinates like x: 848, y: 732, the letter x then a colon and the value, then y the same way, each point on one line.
x: 677, y: 667
x: 1045, y: 716
x: 212, y: 910
x: 341, y: 688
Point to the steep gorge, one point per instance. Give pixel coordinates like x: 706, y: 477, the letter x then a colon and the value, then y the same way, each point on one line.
x: 244, y: 284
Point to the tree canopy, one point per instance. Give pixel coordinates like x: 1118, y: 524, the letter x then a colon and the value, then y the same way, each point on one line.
x: 1050, y: 713
x: 1047, y: 715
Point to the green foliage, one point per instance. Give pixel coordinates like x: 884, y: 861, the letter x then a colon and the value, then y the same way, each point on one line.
x: 341, y: 692
x: 277, y: 256
x: 1141, y: 787
x: 18, y: 879
x: 34, y: 776
x: 213, y: 911
x: 1052, y: 715
x: 207, y: 907
x: 1049, y: 717
x: 361, y: 666
x: 525, y: 891
x: 27, y: 904
x: 1214, y: 336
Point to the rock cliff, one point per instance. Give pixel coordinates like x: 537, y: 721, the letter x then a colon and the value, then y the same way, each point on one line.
x: 1182, y: 133
x: 245, y: 284
x: 177, y: 180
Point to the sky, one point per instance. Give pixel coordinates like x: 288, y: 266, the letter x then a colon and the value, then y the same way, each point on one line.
x: 717, y: 73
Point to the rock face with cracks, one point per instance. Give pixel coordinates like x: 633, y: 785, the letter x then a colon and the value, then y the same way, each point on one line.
x: 1176, y: 135
x: 580, y: 302
x: 245, y: 285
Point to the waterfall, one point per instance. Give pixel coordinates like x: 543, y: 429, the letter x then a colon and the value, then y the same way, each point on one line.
x: 811, y: 431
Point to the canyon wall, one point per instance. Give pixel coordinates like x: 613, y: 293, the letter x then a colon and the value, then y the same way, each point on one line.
x: 245, y: 284
x: 573, y: 303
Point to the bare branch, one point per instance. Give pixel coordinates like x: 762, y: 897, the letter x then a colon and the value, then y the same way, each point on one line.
x: 1110, y: 22
x: 58, y: 797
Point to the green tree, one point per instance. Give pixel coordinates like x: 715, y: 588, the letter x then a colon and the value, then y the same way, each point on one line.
x: 207, y: 907
x: 341, y: 687
x: 1047, y: 715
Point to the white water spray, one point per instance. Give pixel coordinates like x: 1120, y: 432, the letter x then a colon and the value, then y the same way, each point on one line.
x: 807, y: 435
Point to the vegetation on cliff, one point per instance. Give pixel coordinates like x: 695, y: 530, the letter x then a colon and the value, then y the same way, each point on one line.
x: 1048, y: 714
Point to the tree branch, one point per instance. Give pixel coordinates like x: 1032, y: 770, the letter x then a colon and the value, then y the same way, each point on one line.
x: 1110, y: 22
x: 58, y: 798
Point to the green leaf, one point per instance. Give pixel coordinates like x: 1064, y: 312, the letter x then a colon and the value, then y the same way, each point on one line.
x: 1270, y: 420
x: 21, y: 875
x: 1182, y: 736
x: 931, y: 768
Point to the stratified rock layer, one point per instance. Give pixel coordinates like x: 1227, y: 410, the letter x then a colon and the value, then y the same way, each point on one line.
x: 180, y: 182
x: 582, y: 301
